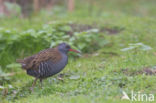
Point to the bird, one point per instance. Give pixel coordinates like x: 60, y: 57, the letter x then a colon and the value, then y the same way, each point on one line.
x: 47, y: 62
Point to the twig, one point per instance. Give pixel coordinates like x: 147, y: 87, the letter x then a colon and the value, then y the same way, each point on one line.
x: 9, y: 74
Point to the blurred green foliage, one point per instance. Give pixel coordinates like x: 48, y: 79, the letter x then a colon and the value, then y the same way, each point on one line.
x: 15, y: 44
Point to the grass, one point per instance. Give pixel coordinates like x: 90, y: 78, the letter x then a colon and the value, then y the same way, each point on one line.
x: 100, y: 76
x: 97, y: 77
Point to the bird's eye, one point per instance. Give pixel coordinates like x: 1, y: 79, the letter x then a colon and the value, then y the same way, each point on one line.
x: 68, y: 46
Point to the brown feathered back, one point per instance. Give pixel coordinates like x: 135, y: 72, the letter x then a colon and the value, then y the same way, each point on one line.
x: 33, y: 62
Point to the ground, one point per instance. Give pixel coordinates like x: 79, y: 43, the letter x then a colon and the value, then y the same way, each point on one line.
x: 126, y: 63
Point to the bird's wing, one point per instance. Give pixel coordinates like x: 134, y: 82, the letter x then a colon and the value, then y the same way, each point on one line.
x: 34, y: 61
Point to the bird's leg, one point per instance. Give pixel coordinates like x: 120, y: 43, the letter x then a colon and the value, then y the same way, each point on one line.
x: 34, y: 83
x: 40, y: 83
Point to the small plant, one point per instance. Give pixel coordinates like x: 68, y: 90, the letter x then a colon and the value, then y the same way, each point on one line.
x: 139, y: 46
x: 19, y: 44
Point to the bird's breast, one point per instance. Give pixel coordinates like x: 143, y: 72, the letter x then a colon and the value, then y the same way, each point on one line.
x: 57, y: 67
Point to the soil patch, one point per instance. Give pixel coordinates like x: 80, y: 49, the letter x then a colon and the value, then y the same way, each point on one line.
x: 85, y: 27
x: 146, y: 71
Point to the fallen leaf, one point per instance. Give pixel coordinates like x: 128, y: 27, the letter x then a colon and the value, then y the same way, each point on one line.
x: 74, y: 77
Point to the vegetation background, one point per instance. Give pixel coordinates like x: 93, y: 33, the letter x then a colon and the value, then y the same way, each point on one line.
x: 117, y: 39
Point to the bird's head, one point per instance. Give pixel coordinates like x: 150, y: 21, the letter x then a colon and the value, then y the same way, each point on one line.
x: 65, y: 48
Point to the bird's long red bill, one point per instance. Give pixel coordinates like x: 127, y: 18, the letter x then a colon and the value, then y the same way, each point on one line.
x: 73, y: 50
